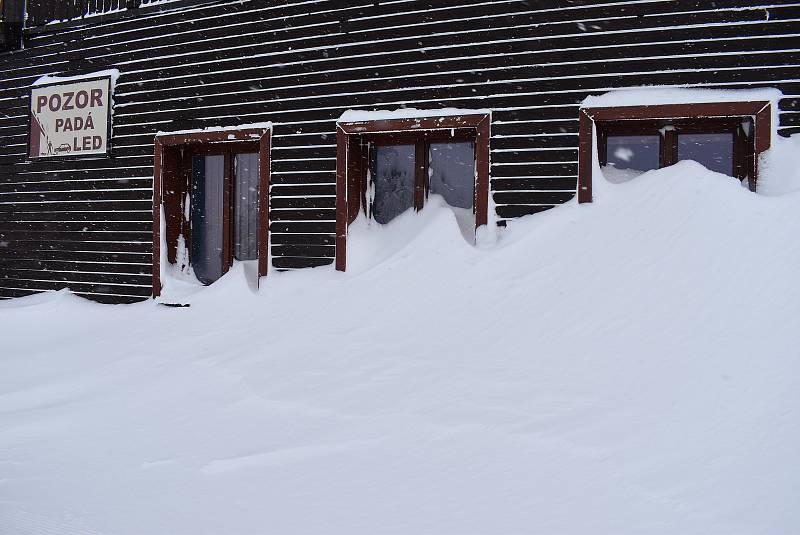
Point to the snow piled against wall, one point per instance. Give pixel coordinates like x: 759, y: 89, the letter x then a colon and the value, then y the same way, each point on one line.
x: 779, y: 167
x: 629, y: 366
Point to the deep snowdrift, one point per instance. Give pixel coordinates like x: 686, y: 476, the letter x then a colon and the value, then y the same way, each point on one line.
x: 630, y: 366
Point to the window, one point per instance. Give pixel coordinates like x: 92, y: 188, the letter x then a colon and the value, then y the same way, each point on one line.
x: 716, y: 151
x: 452, y: 171
x: 387, y: 167
x: 213, y: 190
x: 447, y: 168
x: 223, y: 212
x: 724, y: 137
x: 632, y: 152
x: 629, y: 147
x: 394, y: 181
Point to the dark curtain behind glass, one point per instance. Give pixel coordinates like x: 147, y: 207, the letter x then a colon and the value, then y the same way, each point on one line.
x: 207, y: 217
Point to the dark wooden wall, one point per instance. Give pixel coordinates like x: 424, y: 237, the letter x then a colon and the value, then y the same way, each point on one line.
x: 41, y: 12
x: 12, y: 14
x: 190, y: 64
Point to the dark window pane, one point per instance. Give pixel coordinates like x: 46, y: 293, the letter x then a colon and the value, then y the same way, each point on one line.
x: 714, y: 151
x: 245, y: 207
x: 207, y: 209
x: 394, y: 181
x: 452, y: 172
x: 639, y: 153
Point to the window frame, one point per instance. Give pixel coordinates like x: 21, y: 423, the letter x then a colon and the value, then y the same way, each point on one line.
x: 172, y: 181
x: 685, y: 118
x: 353, y: 161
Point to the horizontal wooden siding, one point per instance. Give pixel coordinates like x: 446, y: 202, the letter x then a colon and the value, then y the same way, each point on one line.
x: 187, y: 64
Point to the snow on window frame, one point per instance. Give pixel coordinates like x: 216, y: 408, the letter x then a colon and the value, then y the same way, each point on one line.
x: 352, y: 160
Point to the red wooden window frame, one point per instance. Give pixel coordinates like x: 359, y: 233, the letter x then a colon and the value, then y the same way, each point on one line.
x: 352, y: 162
x: 706, y: 117
x: 172, y: 176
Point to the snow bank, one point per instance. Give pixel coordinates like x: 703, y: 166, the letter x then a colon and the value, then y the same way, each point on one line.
x: 779, y: 167
x: 628, y: 366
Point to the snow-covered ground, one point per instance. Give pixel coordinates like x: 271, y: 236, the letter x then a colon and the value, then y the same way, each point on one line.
x: 626, y: 367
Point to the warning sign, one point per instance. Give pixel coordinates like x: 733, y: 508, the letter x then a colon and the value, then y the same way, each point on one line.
x: 70, y: 118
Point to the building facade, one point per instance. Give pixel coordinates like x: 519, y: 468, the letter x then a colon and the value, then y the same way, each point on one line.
x: 259, y: 130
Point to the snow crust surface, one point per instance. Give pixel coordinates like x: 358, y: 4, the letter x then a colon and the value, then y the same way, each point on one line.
x: 629, y: 366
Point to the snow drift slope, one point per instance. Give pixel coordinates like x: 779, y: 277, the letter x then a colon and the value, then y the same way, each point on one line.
x: 629, y: 366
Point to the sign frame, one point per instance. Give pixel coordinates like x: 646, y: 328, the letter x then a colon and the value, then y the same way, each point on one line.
x: 72, y: 156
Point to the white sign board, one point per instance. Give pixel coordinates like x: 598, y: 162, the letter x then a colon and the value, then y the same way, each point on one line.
x: 70, y: 118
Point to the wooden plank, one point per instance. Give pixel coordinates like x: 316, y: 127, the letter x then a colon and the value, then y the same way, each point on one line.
x: 297, y: 262
x: 76, y: 236
x: 302, y: 239
x: 301, y: 250
x: 75, y: 226
x: 127, y: 280
x: 519, y: 211
x: 51, y: 243
x: 303, y: 202
x: 535, y: 169
x: 74, y: 266
x: 61, y: 185
x: 533, y: 197
x: 20, y: 199
x: 110, y: 261
x: 80, y: 206
x: 302, y: 227
x: 78, y: 287
x: 296, y: 190
x: 560, y: 183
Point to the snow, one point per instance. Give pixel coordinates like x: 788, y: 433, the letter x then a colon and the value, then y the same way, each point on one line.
x: 656, y: 95
x: 236, y: 128
x: 49, y: 79
x: 351, y: 116
x: 626, y: 366
x: 779, y: 168
x: 617, y: 176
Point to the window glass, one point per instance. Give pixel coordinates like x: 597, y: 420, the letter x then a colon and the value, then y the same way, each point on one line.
x: 639, y: 153
x: 714, y: 151
x: 452, y: 172
x: 207, y: 210
x: 245, y: 207
x: 393, y: 180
